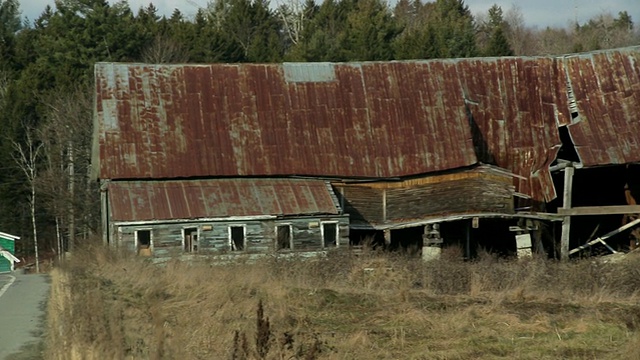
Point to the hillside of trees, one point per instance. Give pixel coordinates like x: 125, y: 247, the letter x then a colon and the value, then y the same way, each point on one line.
x: 46, y: 74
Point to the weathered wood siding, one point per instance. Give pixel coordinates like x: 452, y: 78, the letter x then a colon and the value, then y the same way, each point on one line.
x: 475, y: 195
x: 364, y: 204
x: 167, y: 239
x: 473, y: 191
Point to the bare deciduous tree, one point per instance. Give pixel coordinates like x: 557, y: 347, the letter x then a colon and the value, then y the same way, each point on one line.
x: 293, y: 14
x: 66, y: 185
x: 164, y: 50
x: 26, y: 157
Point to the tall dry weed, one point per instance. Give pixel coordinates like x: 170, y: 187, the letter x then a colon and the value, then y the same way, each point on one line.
x: 107, y: 304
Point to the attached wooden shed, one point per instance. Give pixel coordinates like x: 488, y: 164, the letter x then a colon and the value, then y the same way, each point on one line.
x: 219, y: 216
x: 7, y: 252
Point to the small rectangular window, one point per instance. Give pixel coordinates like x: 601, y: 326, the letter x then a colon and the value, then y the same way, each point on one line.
x: 237, y: 237
x: 329, y: 235
x: 284, y: 237
x: 190, y: 239
x: 143, y: 242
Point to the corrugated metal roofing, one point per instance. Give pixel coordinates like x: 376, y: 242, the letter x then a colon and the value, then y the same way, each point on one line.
x: 374, y: 120
x: 515, y: 104
x: 606, y: 87
x: 197, y: 199
x: 377, y: 119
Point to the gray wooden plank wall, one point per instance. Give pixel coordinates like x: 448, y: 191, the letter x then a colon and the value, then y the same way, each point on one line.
x: 260, y: 235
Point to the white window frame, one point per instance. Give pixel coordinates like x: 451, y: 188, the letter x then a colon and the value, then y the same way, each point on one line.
x: 290, y: 236
x: 322, y: 223
x: 184, y: 229
x: 135, y: 235
x: 244, y: 237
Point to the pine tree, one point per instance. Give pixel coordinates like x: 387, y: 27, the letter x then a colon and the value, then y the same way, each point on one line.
x: 370, y: 32
x: 454, y: 29
x: 497, y: 44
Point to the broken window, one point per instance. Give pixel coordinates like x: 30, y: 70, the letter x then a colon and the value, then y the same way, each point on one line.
x: 143, y: 242
x: 329, y: 234
x: 284, y: 238
x: 237, y: 237
x: 190, y: 239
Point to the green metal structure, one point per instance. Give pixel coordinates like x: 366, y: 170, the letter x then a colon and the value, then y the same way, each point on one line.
x: 7, y: 252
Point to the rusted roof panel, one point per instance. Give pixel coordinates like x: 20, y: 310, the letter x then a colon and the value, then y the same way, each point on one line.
x: 197, y: 199
x: 345, y: 120
x: 514, y: 103
x: 606, y: 87
x: 378, y: 119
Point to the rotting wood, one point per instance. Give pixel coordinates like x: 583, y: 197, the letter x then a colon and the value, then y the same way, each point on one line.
x: 602, y: 239
x: 600, y: 210
x: 566, y: 204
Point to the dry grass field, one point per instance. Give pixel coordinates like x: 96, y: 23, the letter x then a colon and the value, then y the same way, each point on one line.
x: 110, y: 305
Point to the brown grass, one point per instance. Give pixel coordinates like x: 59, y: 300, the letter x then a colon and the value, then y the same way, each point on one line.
x: 110, y: 305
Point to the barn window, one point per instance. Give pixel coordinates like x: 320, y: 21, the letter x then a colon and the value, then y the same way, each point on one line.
x: 237, y: 236
x: 143, y: 242
x: 329, y: 234
x: 190, y: 239
x: 284, y: 237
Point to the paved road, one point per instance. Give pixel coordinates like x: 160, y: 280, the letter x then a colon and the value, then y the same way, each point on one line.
x: 22, y: 311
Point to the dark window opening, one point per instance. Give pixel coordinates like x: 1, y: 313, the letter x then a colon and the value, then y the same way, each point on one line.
x: 237, y: 238
x: 143, y: 238
x: 190, y: 240
x: 283, y: 237
x: 330, y: 234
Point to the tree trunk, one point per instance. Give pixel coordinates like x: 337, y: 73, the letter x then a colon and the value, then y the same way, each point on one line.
x: 33, y: 223
x: 72, y: 220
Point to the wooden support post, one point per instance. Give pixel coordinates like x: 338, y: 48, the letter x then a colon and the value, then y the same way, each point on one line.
x: 384, y: 205
x: 566, y: 205
x: 387, y: 237
x: 104, y: 214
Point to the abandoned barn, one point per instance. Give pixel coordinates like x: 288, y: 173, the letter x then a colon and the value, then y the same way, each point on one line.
x: 406, y: 154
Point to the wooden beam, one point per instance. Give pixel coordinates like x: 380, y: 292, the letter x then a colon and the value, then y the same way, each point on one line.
x: 566, y: 204
x: 602, y: 238
x: 600, y: 210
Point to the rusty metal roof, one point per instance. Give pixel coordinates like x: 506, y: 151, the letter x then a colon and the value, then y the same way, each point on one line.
x: 199, y: 199
x: 606, y: 88
x: 515, y: 104
x: 346, y: 120
x: 372, y: 119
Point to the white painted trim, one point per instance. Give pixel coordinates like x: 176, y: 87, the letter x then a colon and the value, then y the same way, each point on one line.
x: 244, y: 236
x: 290, y: 235
x: 322, y: 223
x: 9, y: 256
x: 175, y: 221
x: 9, y: 236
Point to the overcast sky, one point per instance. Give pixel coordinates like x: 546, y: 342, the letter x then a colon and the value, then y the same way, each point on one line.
x: 540, y: 13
